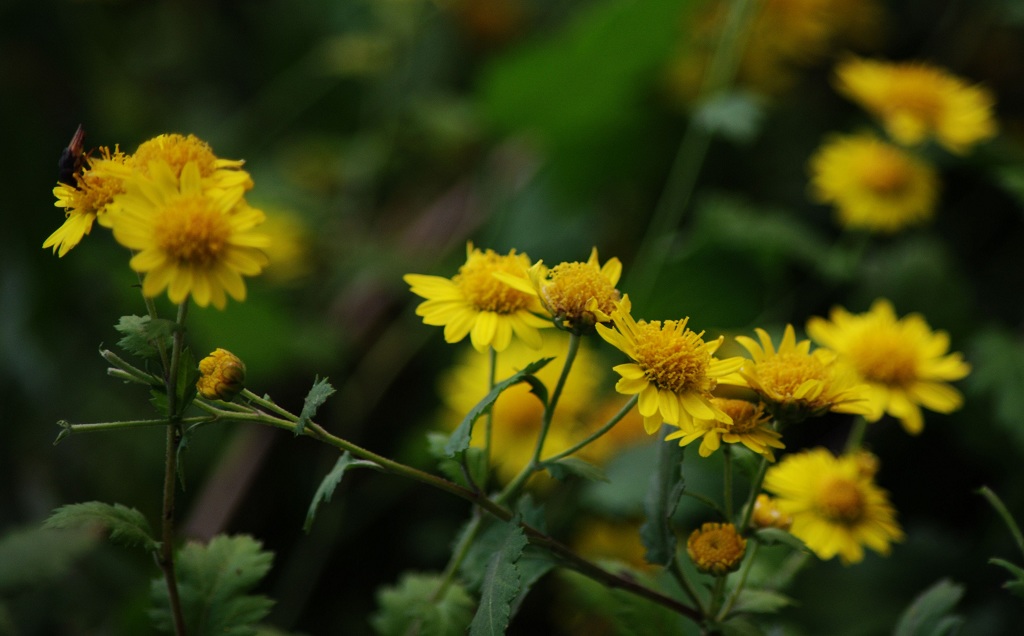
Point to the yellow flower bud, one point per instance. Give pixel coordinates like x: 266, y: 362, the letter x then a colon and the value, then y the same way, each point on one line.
x: 716, y: 548
x: 222, y: 376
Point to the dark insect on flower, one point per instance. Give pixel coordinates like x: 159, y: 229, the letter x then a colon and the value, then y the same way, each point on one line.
x: 71, y: 159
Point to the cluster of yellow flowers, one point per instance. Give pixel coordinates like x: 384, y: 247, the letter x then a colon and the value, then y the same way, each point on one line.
x: 886, y: 185
x: 869, y: 364
x: 178, y: 207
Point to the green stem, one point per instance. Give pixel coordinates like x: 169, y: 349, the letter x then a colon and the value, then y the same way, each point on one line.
x: 1008, y: 519
x: 97, y: 427
x: 755, y: 488
x: 727, y: 481
x: 514, y: 486
x: 598, y: 433
x: 744, y: 573
x: 489, y: 421
x: 856, y: 438
x: 685, y: 583
x: 166, y: 556
x: 717, y: 595
x: 127, y: 370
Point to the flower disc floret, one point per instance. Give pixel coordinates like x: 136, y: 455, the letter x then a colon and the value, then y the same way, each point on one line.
x: 673, y: 370
x: 836, y: 508
x: 479, y: 302
x: 904, y: 363
x: 716, y: 548
x: 189, y: 240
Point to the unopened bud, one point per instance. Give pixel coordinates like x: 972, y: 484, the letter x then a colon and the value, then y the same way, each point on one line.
x: 222, y: 376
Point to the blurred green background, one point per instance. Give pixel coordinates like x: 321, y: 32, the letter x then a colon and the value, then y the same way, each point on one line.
x: 384, y: 134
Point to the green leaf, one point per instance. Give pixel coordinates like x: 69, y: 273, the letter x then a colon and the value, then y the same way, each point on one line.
x: 459, y: 440
x: 563, y: 468
x: 326, y: 489
x: 998, y: 372
x: 414, y: 603
x: 771, y: 536
x: 474, y: 459
x: 761, y: 601
x: 663, y: 494
x: 188, y: 374
x: 928, y: 614
x: 1015, y: 587
x: 739, y: 627
x: 317, y: 395
x: 35, y: 555
x: 142, y: 335
x: 127, y: 526
x: 213, y: 582
x: 501, y: 584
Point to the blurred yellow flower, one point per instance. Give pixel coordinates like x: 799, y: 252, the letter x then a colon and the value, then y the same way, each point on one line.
x: 836, y: 507
x: 602, y: 539
x: 189, y: 240
x: 766, y: 514
x: 917, y: 101
x: 797, y: 383
x: 673, y: 370
x: 577, y: 295
x: 517, y: 413
x: 873, y: 185
x: 716, y: 548
x: 477, y: 303
x: 289, y: 253
x: 902, y: 360
x: 750, y: 426
x: 86, y: 200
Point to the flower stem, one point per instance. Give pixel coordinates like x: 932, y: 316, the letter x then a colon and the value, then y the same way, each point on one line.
x: 166, y: 556
x: 1000, y: 508
x: 724, y: 613
x: 755, y: 488
x: 727, y: 481
x: 856, y: 438
x: 598, y: 433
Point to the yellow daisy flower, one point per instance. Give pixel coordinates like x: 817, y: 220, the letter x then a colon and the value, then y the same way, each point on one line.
x: 904, y: 362
x: 177, y: 151
x: 673, y: 370
x: 189, y: 240
x: 750, y: 426
x: 475, y: 302
x: 578, y: 295
x: 835, y: 505
x: 917, y: 101
x: 716, y: 548
x: 873, y: 185
x: 796, y: 382
x: 87, y: 200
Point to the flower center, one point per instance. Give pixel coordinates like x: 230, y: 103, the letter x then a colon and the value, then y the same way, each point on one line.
x: 887, y: 174
x: 190, y: 230
x: 487, y: 293
x: 783, y: 373
x: 746, y: 416
x: 672, y: 356
x: 883, y: 356
x: 176, y: 150
x: 841, y: 501
x: 572, y: 285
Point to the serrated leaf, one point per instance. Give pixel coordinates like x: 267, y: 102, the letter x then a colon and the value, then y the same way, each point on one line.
x: 317, y: 395
x: 663, y: 494
x: 414, y: 603
x: 771, y: 536
x: 127, y: 526
x: 459, y: 440
x: 213, y: 583
x: 34, y: 555
x: 567, y: 466
x: 326, y: 489
x: 142, y: 335
x: 928, y: 614
x: 761, y: 601
x: 501, y: 584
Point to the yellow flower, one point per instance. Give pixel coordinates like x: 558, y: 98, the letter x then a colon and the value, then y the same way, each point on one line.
x: 85, y: 201
x: 917, y: 101
x: 189, y: 240
x: 475, y: 302
x: 873, y: 185
x: 289, y: 254
x: 796, y: 382
x: 222, y: 375
x: 177, y: 151
x: 577, y: 295
x: 750, y: 426
x: 673, y: 370
x: 836, y: 507
x: 716, y: 548
x: 767, y: 514
x: 903, y: 361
